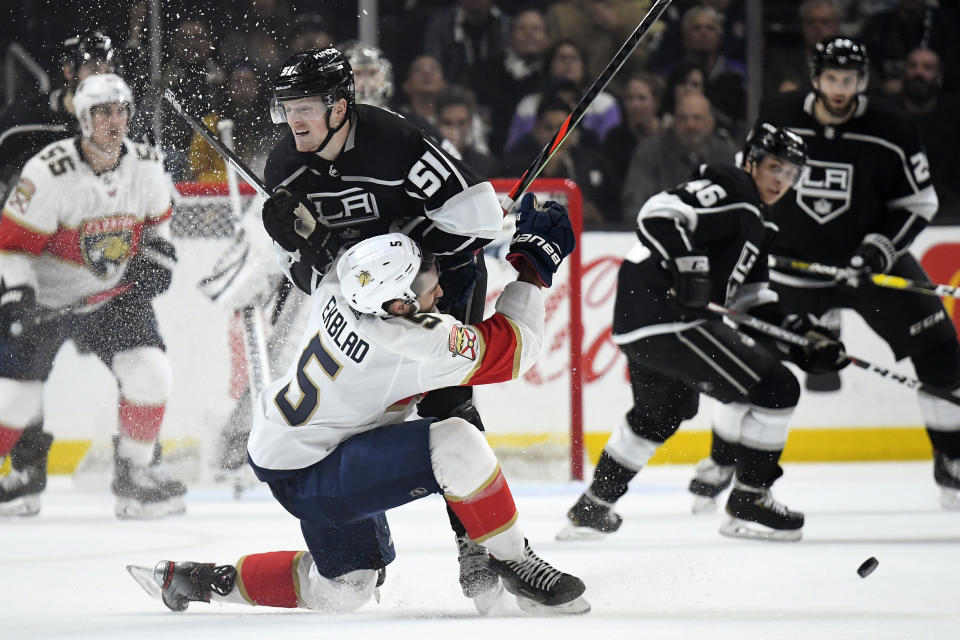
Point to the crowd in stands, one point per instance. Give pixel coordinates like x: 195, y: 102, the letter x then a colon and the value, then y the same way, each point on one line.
x: 496, y: 79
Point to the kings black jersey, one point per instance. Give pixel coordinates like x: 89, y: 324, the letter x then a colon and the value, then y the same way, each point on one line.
x: 717, y: 213
x: 866, y: 179
x: 389, y: 177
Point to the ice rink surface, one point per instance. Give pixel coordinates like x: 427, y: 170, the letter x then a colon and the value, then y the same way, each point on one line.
x: 665, y: 574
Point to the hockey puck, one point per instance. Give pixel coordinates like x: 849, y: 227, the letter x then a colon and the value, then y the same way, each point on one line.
x: 867, y: 567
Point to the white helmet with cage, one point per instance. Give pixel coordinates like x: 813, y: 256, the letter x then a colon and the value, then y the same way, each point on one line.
x: 102, y: 88
x: 381, y: 269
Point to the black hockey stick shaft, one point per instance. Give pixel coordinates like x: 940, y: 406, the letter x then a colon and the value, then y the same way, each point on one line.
x: 619, y: 58
x: 781, y: 334
x: 878, y: 279
x: 218, y: 146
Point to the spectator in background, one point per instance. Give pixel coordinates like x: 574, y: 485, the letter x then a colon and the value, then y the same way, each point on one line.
x: 666, y: 47
x: 253, y: 32
x: 789, y: 69
x: 244, y: 103
x: 456, y: 118
x: 890, y: 35
x: 566, y: 66
x: 936, y: 116
x: 641, y: 105
x: 500, y: 81
x: 723, y: 78
x: 579, y: 158
x: 670, y: 157
x: 195, y: 75
x: 598, y: 28
x: 424, y: 81
x: 466, y: 35
x: 311, y: 31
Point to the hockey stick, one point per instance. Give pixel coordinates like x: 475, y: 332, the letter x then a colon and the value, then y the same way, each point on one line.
x: 619, y: 58
x: 229, y: 156
x: 781, y: 334
x: 878, y: 279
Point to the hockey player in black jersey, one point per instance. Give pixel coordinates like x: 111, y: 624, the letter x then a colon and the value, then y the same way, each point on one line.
x: 865, y: 196
x: 706, y: 240
x: 27, y: 127
x: 350, y: 171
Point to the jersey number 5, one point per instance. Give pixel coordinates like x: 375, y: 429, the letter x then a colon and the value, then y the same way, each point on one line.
x: 314, y: 357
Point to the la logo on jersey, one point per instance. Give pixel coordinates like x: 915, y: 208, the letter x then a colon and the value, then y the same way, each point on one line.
x: 348, y: 207
x: 824, y: 189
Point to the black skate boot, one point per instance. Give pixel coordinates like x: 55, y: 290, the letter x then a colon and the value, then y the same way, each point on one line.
x: 709, y: 481
x: 755, y: 514
x: 145, y: 491
x: 946, y: 473
x: 184, y: 582
x: 590, y: 518
x: 20, y: 490
x: 539, y: 588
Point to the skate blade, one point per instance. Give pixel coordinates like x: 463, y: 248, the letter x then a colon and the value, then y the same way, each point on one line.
x: 737, y: 528
x: 131, y: 509
x: 492, y: 602
x: 144, y: 578
x: 950, y: 499
x: 703, y: 504
x: 572, y: 532
x: 575, y: 607
x: 24, y: 506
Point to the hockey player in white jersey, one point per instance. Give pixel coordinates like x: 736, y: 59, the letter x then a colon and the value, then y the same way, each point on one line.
x: 373, y: 348
x: 84, y: 247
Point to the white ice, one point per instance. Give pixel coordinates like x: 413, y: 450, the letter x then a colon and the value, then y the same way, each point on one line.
x: 665, y: 574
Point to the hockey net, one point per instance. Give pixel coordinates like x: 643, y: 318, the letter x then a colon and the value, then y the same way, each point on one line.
x: 535, y: 419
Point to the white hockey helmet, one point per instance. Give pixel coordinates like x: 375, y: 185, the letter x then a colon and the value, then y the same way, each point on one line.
x: 381, y: 269
x: 102, y: 88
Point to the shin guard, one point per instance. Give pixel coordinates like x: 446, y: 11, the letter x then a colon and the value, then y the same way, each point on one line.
x: 270, y: 579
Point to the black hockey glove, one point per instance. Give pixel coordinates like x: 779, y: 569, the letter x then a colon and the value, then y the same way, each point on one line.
x: 823, y: 353
x: 544, y: 237
x: 290, y: 221
x: 459, y: 275
x: 151, y: 269
x: 691, y: 281
x: 876, y: 254
x: 18, y: 310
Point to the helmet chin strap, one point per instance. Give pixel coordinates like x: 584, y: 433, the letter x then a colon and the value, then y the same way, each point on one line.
x: 331, y: 131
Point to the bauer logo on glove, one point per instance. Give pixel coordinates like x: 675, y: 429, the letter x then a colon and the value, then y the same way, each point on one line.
x: 544, y: 237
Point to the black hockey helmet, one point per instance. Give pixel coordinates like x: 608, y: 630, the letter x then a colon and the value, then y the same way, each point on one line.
x: 779, y: 142
x: 839, y: 53
x: 319, y: 72
x: 92, y: 46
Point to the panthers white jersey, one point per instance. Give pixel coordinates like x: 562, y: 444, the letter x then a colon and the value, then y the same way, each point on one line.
x: 70, y: 232
x: 358, y: 372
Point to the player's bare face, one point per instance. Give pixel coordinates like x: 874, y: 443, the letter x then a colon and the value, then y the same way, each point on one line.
x: 307, y: 119
x: 837, y: 87
x: 109, y: 125
x: 774, y: 177
x: 427, y: 285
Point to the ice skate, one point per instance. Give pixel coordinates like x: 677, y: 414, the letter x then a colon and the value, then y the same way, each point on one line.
x: 145, y: 491
x: 478, y: 580
x: 755, y: 514
x: 20, y: 489
x: 540, y: 589
x: 590, y: 518
x: 709, y: 480
x: 177, y: 584
x: 946, y: 472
